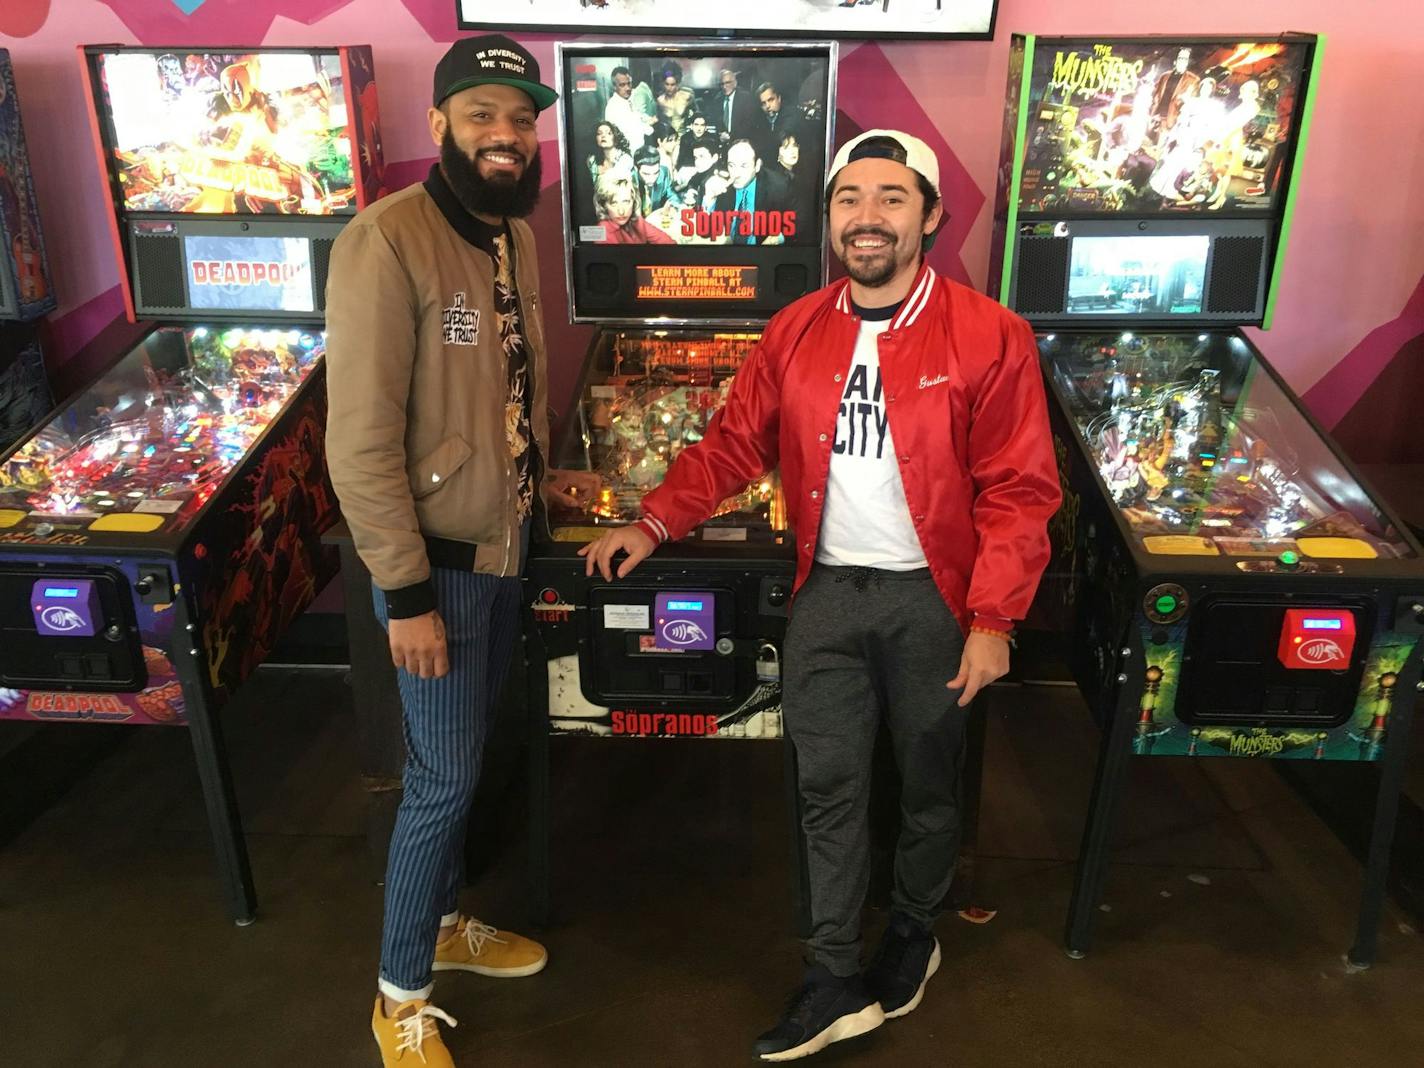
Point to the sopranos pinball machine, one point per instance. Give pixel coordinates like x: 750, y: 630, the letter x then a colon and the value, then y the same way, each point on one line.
x: 692, y: 177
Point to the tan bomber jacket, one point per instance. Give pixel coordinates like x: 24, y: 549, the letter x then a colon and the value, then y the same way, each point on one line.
x: 417, y: 379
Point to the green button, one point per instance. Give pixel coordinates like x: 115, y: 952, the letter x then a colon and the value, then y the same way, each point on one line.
x: 1166, y: 604
x: 1289, y: 558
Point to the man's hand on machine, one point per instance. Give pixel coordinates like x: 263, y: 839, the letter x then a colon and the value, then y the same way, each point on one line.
x: 599, y: 554
x: 418, y: 645
x: 985, y: 658
x: 573, y: 488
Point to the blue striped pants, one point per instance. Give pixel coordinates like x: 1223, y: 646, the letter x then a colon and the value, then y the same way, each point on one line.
x: 445, y: 724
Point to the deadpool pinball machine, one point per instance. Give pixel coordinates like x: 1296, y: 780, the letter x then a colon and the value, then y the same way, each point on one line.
x: 161, y: 530
x: 1250, y: 596
x: 679, y: 254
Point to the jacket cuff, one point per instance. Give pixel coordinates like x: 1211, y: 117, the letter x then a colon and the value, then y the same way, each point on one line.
x: 654, y: 528
x: 995, y: 623
x: 410, y: 601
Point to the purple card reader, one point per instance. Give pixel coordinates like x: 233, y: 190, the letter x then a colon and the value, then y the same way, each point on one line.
x: 685, y: 621
x: 66, y: 607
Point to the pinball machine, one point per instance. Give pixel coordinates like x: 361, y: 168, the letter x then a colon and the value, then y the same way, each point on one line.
x: 678, y: 260
x: 161, y: 530
x: 1251, y: 597
x: 690, y: 644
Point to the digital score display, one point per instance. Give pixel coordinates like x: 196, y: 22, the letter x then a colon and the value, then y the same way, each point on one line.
x: 696, y: 282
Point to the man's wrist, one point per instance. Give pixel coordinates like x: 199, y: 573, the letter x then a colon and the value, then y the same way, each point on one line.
x: 995, y: 626
x: 654, y: 528
x: 1005, y: 636
x: 410, y: 601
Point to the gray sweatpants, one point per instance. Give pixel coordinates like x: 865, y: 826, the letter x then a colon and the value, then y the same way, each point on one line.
x: 864, y: 644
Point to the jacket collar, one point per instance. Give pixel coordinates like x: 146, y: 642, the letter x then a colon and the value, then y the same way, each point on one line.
x: 460, y: 220
x: 915, y: 302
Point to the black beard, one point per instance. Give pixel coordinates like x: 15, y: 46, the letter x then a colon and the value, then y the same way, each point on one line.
x: 870, y: 277
x: 501, y: 197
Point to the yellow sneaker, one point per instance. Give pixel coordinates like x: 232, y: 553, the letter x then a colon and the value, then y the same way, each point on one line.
x: 479, y: 948
x: 411, y: 1038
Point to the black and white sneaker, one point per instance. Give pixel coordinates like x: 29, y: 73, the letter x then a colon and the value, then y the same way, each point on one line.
x: 907, y: 957
x: 825, y: 1009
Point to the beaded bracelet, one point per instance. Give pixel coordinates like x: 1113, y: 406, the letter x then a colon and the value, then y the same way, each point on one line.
x: 1006, y: 635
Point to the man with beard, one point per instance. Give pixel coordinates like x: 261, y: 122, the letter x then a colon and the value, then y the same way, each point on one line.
x: 435, y: 438
x: 908, y: 418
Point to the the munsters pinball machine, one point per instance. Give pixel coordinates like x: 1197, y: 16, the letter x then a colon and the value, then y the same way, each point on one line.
x: 1229, y: 585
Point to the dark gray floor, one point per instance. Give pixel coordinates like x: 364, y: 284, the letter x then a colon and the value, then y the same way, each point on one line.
x: 1228, y: 911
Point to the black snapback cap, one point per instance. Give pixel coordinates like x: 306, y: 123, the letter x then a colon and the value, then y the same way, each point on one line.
x: 494, y: 59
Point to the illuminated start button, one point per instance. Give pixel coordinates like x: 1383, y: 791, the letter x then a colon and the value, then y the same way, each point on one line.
x: 1290, y: 559
x: 1165, y: 603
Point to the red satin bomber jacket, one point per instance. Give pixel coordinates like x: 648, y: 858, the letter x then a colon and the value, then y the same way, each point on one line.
x: 967, y: 411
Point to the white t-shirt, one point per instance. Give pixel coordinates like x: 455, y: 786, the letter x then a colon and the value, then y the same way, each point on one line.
x: 866, y: 522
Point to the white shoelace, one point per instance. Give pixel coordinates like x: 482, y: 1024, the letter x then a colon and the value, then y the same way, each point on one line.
x: 412, y: 1029
x: 477, y: 934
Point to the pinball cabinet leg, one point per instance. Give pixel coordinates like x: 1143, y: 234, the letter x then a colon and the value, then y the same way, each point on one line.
x: 536, y: 669
x: 224, y: 821
x: 1362, y: 953
x: 1114, y: 757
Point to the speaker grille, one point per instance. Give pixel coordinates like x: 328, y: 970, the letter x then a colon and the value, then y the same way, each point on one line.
x: 321, y: 263
x: 602, y: 279
x: 158, y: 265
x: 1235, y: 274
x: 791, y: 279
x: 1043, y: 275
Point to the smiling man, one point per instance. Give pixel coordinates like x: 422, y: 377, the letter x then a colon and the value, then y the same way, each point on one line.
x: 435, y: 438
x: 919, y: 480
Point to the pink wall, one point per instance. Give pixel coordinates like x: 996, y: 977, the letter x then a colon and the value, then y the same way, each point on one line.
x: 1344, y: 316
